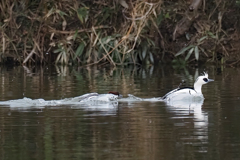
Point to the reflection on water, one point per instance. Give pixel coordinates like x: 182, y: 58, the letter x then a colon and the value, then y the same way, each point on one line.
x: 191, y: 109
x: 129, y: 129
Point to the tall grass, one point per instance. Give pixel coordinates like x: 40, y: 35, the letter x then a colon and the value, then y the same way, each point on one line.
x: 80, y: 32
x: 118, y: 32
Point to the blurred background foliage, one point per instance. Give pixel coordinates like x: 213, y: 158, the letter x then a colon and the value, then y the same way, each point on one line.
x: 119, y: 32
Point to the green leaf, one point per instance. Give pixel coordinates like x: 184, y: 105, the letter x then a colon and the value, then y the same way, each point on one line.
x: 196, y: 50
x: 144, y: 51
x: 58, y: 50
x: 79, y: 50
x: 189, y: 54
x: 212, y: 35
x: 82, y: 13
x: 150, y: 42
x: 58, y: 57
x: 167, y: 16
x: 151, y: 58
x: 105, y: 16
x: 62, y: 14
x: 65, y: 60
x: 50, y: 12
x: 75, y: 35
x: 201, y: 39
x: 184, y: 50
x: 159, y: 19
x: 107, y: 39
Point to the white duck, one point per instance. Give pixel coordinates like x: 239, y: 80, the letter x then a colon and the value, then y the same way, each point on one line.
x: 188, y: 92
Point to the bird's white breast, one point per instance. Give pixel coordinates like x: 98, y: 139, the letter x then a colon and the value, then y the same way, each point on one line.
x: 183, y: 94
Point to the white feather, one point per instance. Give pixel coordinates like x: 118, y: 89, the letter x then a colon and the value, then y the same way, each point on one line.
x: 196, y: 91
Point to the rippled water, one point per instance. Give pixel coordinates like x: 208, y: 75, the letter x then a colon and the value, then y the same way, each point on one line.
x: 206, y: 129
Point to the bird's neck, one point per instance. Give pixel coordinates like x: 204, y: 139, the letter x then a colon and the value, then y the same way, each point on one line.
x: 198, y: 88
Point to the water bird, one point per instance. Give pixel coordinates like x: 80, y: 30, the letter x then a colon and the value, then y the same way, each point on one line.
x: 188, y: 92
x: 115, y: 93
x: 110, y: 96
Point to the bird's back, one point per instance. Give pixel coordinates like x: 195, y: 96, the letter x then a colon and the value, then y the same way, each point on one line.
x: 185, y: 91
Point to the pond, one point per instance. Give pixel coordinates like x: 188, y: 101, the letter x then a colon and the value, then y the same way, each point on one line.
x: 124, y: 130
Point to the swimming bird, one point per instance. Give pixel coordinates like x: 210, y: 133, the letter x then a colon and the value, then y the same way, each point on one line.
x: 115, y: 93
x: 196, y: 91
x: 110, y: 96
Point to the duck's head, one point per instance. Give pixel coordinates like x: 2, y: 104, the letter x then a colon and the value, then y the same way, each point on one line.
x: 203, y: 79
x: 115, y: 93
x: 200, y: 81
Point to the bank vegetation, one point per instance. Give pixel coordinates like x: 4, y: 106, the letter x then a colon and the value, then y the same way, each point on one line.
x: 119, y: 32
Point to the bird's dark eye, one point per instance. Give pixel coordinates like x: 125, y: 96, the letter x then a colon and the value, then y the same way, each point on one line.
x: 205, y: 79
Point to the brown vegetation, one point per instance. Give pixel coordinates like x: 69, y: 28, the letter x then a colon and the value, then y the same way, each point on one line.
x: 118, y: 32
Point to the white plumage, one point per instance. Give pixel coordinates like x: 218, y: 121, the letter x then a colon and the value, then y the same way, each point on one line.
x: 187, y: 92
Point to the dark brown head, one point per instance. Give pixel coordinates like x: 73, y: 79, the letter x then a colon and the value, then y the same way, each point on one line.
x: 115, y: 93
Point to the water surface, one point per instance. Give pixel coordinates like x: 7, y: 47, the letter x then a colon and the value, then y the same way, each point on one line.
x: 126, y: 130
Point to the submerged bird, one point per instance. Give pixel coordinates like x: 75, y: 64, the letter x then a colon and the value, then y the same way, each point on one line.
x: 196, y: 91
x: 115, y: 93
x: 110, y: 96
